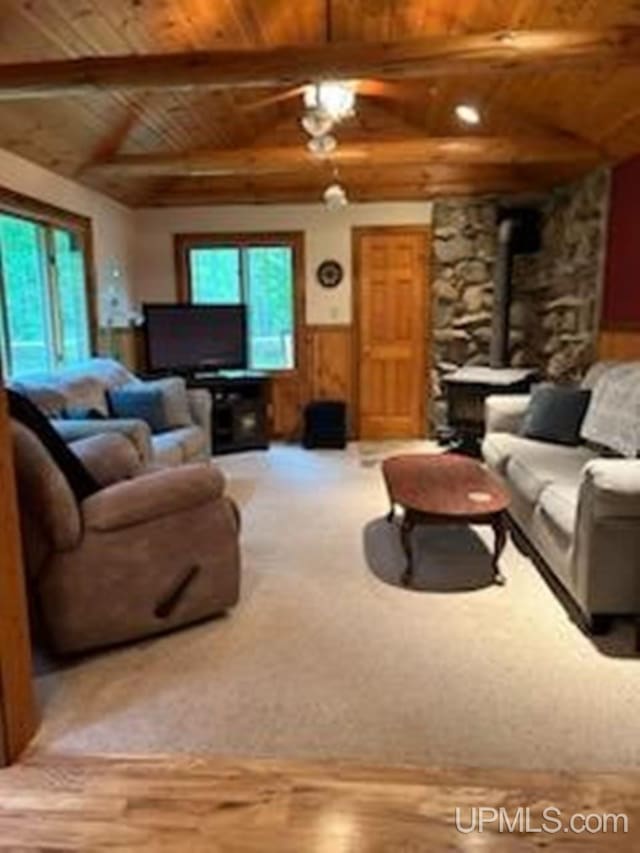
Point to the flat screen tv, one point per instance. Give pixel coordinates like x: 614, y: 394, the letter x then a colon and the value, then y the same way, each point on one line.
x: 196, y: 337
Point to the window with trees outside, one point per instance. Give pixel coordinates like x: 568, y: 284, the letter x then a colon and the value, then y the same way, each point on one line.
x: 44, y: 310
x: 260, y: 275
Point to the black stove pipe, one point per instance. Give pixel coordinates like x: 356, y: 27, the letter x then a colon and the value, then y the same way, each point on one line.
x: 518, y: 233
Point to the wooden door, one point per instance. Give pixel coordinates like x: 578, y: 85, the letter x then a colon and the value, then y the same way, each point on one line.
x: 18, y: 717
x: 390, y: 307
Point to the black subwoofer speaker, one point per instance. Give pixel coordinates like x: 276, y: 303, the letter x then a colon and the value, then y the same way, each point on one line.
x: 325, y: 424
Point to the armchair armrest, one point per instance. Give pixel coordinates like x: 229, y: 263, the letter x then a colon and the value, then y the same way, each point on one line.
x: 611, y: 487
x: 109, y: 457
x: 200, y: 408
x: 152, y: 496
x: 136, y: 431
x: 505, y: 412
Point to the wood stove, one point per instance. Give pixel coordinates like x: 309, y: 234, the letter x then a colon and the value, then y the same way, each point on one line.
x: 466, y: 390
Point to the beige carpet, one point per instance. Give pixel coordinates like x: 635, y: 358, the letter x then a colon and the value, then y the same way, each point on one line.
x: 327, y: 657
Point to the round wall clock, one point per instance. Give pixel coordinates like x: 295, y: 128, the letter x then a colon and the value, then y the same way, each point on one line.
x: 329, y: 273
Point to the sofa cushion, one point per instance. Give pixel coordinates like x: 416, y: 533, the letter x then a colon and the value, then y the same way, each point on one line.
x: 179, y: 445
x: 83, y: 391
x: 192, y: 440
x: 82, y: 413
x: 83, y: 384
x: 167, y: 450
x: 559, y: 502
x: 109, y: 372
x: 536, y: 464
x: 497, y: 448
x: 175, y: 400
x: 555, y: 413
x: 45, y: 396
x: 57, y: 393
x: 138, y: 401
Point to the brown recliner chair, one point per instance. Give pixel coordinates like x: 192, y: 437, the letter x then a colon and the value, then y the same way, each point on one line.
x: 149, y: 552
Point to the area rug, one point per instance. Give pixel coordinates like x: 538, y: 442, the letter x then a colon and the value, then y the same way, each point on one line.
x: 327, y: 656
x: 375, y: 452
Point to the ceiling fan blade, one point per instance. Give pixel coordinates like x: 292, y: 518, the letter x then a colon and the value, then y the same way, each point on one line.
x: 377, y: 88
x: 405, y: 92
x: 278, y: 98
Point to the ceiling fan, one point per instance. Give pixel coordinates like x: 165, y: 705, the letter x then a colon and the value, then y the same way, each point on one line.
x: 386, y: 89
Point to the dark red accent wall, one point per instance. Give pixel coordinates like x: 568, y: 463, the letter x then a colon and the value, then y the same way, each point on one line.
x: 621, y: 303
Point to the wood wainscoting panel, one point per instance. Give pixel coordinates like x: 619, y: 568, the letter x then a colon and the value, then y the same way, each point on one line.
x: 329, y: 363
x: 287, y: 400
x: 619, y: 344
x: 325, y: 372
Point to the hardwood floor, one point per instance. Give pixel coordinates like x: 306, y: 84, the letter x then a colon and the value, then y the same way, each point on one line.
x: 198, y: 804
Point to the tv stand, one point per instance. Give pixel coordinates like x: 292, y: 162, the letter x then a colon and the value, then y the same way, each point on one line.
x: 240, y: 401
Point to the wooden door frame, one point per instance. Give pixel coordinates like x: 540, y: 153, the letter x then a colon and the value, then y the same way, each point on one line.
x: 427, y: 350
x: 18, y: 716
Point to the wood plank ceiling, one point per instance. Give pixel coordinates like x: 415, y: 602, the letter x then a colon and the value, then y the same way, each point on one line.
x: 594, y: 112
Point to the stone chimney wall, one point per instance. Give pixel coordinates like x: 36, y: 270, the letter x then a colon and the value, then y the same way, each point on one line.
x: 555, y: 293
x: 563, y: 287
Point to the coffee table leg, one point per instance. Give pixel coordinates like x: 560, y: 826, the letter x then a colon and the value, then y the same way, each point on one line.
x: 405, y: 536
x: 499, y: 524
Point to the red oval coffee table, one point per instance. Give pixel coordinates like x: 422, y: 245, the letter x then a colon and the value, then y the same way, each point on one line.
x: 445, y: 489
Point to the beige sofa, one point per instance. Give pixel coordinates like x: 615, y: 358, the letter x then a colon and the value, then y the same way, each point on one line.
x: 147, y: 553
x: 86, y: 385
x: 579, y: 510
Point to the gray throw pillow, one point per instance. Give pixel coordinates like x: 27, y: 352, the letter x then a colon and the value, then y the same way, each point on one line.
x: 141, y: 403
x: 175, y: 400
x: 555, y: 413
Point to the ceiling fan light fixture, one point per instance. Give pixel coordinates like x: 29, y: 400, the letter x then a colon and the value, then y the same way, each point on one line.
x: 468, y: 114
x: 335, y: 197
x: 333, y: 97
x: 321, y: 146
x: 316, y: 123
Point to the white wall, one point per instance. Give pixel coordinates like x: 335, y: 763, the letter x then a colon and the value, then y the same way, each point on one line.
x: 134, y: 249
x: 327, y: 235
x: 113, y: 224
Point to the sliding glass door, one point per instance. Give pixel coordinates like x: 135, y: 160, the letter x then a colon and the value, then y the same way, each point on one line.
x: 69, y: 273
x: 27, y: 327
x: 44, y: 314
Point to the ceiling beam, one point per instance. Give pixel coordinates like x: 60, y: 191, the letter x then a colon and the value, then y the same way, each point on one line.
x: 184, y: 197
x: 500, y: 150
x: 480, y: 53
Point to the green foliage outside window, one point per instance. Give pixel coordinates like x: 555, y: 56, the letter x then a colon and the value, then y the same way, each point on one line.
x: 44, y: 305
x: 261, y: 277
